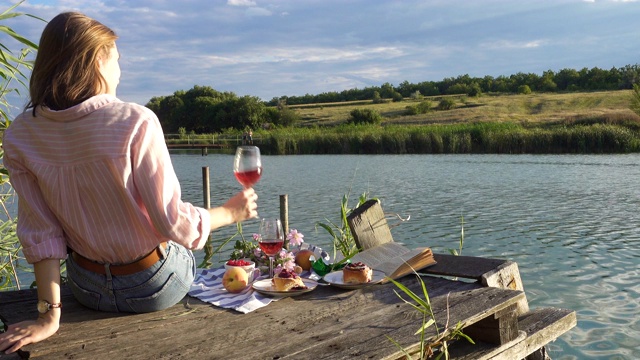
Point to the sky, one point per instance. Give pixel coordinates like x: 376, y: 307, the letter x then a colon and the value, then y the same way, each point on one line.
x: 273, y: 48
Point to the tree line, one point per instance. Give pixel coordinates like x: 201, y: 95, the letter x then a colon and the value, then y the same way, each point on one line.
x: 562, y: 81
x: 203, y: 109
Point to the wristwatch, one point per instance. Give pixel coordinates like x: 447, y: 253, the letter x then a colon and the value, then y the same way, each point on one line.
x: 44, y: 306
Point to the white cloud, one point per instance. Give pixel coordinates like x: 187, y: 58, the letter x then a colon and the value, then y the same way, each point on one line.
x: 257, y: 11
x: 510, y: 44
x: 295, y: 47
x: 241, y: 3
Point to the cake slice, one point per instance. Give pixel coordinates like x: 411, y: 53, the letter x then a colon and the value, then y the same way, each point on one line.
x: 287, y: 280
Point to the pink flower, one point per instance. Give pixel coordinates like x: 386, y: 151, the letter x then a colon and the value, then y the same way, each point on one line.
x: 295, y: 237
x: 289, y: 264
x: 277, y: 269
x: 257, y: 237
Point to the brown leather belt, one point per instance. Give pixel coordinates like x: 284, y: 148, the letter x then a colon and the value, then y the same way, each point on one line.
x: 126, y: 269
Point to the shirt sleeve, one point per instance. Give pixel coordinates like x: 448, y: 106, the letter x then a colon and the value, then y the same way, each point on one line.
x: 38, y: 230
x: 158, y: 186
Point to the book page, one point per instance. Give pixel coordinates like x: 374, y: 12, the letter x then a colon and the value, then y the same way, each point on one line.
x: 392, y: 259
x: 380, y: 254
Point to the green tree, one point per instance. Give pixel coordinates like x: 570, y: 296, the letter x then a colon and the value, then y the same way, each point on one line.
x: 566, y: 78
x: 474, y: 90
x: 282, y: 115
x: 458, y: 88
x: 521, y: 78
x: 376, y: 98
x: 387, y: 90
x: 364, y: 116
x: 446, y: 104
x: 203, y: 109
x: 422, y: 107
x: 548, y: 85
x: 524, y: 89
x: 397, y: 97
x: 416, y: 95
x: 201, y: 114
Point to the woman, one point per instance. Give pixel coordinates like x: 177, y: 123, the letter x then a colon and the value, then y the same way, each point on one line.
x: 94, y: 180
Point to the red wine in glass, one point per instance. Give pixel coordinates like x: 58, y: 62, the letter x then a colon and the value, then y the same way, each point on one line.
x: 271, y: 247
x: 271, y: 239
x: 248, y: 178
x: 247, y: 165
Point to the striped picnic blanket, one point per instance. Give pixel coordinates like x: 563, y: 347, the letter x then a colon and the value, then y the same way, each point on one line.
x: 207, y: 286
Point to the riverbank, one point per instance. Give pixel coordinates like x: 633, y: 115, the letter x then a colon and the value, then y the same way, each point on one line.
x: 586, y: 123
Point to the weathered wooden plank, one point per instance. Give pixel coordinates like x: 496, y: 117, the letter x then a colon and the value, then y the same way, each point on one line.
x: 500, y: 328
x: 326, y: 323
x: 498, y: 273
x: 468, y: 267
x: 541, y: 327
x: 506, y: 276
x: 369, y: 226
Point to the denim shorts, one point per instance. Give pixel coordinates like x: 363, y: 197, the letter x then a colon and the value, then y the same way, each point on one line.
x: 162, y: 285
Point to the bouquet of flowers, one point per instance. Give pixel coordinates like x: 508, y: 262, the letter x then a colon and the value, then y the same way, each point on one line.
x: 285, y: 259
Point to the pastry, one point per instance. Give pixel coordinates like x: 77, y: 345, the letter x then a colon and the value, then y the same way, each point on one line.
x: 287, y: 280
x: 356, y: 273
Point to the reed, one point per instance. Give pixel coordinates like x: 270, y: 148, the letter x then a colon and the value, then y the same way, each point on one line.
x: 14, y: 69
x: 501, y: 138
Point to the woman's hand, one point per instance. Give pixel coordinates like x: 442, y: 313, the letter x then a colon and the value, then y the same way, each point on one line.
x: 242, y: 206
x: 29, y: 332
x: 47, y: 273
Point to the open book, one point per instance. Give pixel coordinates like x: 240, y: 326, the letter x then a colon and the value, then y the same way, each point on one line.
x: 394, y: 259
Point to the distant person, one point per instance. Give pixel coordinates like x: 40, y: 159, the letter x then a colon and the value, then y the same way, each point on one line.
x: 250, y: 137
x: 244, y: 138
x: 99, y: 182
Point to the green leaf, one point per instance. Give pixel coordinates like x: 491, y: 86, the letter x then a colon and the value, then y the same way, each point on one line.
x: 410, y: 293
x: 425, y: 326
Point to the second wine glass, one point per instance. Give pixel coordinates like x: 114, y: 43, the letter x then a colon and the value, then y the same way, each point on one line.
x: 247, y: 165
x: 271, y: 239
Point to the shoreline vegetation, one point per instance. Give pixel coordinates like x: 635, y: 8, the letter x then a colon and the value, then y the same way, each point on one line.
x: 535, y: 123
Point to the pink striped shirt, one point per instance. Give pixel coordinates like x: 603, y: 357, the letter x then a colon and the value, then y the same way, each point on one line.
x: 98, y: 178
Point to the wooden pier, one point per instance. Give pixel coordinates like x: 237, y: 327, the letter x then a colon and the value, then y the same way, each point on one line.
x: 327, y: 323
x: 206, y: 142
x: 204, y: 148
x: 485, y: 296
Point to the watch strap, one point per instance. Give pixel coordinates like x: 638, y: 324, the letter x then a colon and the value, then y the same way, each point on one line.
x: 44, y: 306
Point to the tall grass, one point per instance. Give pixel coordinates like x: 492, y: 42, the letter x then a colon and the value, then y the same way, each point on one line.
x: 13, y: 69
x: 498, y: 138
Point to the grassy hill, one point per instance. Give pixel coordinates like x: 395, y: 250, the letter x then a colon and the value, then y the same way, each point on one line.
x: 536, y: 108
x: 594, y: 122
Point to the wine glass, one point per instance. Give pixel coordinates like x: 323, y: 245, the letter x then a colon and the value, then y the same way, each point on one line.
x: 247, y: 166
x: 271, y: 239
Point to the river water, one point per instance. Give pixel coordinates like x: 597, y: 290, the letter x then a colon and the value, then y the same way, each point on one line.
x: 571, y: 222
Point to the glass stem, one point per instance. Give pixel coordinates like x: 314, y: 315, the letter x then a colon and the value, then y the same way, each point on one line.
x: 270, y: 266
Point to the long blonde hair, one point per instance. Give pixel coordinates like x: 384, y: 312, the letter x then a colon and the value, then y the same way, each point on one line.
x: 66, y: 70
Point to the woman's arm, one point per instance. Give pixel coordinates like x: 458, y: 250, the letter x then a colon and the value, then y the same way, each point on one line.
x: 23, y: 333
x: 240, y: 207
x: 158, y: 186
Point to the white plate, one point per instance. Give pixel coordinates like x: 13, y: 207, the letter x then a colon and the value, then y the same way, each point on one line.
x: 265, y: 287
x: 335, y: 279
